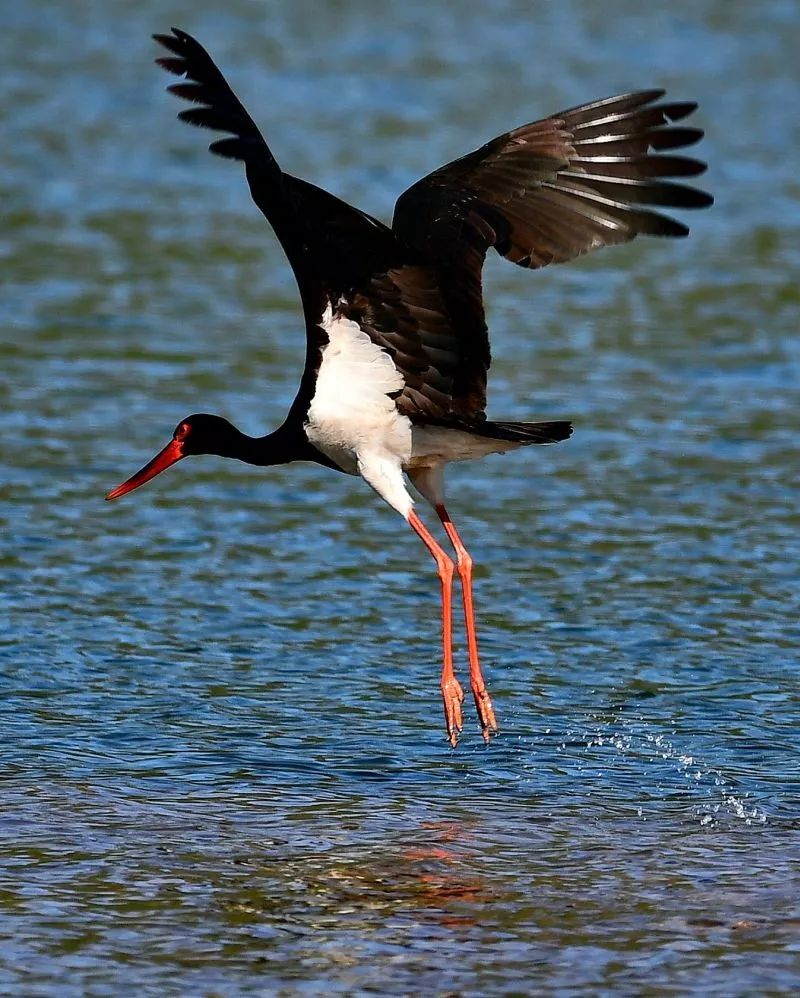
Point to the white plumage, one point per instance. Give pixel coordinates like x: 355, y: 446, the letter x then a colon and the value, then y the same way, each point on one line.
x: 352, y: 419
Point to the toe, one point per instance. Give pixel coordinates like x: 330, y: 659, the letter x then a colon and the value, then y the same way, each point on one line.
x: 483, y: 704
x: 453, y: 696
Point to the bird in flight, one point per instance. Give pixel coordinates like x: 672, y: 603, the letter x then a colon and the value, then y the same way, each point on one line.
x: 397, y: 348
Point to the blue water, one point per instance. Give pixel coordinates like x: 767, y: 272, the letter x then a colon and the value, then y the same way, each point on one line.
x: 224, y: 769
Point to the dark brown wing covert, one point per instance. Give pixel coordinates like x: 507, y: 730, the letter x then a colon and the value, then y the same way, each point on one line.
x: 545, y: 193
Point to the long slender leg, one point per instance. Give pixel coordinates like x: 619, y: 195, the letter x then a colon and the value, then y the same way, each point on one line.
x: 483, y: 701
x: 452, y: 694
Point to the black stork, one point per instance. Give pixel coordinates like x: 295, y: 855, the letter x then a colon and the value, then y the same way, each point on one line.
x: 397, y: 348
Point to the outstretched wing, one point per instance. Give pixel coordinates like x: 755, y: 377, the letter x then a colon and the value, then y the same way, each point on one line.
x: 342, y: 258
x: 310, y: 223
x: 544, y: 193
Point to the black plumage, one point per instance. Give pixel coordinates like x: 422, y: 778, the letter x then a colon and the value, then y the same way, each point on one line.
x: 542, y: 193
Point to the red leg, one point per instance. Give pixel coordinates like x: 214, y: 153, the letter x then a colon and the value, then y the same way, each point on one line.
x: 452, y: 694
x: 483, y: 701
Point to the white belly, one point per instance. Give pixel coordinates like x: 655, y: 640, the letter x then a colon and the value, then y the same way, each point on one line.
x: 352, y: 419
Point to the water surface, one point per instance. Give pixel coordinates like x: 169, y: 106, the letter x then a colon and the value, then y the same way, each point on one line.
x: 223, y: 764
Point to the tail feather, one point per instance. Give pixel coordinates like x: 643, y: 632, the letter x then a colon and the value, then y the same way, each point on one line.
x: 550, y: 432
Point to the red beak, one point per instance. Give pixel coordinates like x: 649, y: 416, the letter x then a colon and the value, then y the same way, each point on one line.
x: 169, y: 455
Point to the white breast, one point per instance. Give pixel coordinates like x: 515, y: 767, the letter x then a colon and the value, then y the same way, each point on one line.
x: 351, y: 418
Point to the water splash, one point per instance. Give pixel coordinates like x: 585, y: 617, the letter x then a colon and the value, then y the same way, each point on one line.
x: 637, y: 741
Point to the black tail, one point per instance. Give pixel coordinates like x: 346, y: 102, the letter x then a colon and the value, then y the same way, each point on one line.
x: 528, y: 433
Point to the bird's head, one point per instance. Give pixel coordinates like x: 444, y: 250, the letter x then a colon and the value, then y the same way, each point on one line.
x: 198, y: 434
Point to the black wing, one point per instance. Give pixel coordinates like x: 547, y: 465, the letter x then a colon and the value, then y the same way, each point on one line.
x: 341, y: 257
x: 544, y: 193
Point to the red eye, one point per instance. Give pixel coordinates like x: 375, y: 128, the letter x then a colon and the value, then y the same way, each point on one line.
x: 182, y: 432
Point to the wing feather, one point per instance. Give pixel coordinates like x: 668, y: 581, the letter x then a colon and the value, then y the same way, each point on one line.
x: 343, y: 259
x: 547, y: 192
x: 542, y: 193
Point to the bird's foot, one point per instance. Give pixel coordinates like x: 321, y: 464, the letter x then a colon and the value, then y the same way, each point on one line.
x: 453, y: 697
x: 483, y: 704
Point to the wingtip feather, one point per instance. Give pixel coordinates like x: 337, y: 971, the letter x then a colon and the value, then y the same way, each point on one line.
x: 178, y: 67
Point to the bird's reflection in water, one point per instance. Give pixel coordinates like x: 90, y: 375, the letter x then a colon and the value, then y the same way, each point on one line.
x: 443, y: 876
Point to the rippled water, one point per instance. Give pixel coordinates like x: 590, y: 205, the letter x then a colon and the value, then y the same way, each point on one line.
x: 223, y: 764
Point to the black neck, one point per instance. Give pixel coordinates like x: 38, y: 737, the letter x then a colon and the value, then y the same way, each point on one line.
x: 280, y: 447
